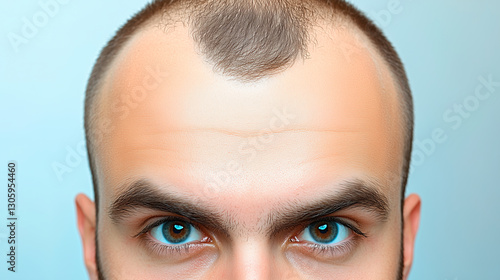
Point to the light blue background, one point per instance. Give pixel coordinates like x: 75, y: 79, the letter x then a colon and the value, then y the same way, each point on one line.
x: 445, y: 45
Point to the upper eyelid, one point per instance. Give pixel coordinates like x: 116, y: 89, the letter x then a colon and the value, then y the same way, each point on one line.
x: 162, y: 220
x: 339, y: 220
x: 344, y: 223
x: 302, y: 227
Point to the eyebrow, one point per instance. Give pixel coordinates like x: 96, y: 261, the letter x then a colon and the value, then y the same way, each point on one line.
x: 142, y: 194
x: 354, y: 193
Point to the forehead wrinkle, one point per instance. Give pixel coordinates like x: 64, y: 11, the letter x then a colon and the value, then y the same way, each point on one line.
x: 158, y: 143
x: 247, y: 133
x: 241, y: 133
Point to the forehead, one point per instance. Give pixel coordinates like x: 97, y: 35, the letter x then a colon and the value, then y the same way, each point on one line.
x: 166, y: 116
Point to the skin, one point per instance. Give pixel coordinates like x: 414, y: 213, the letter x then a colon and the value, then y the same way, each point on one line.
x: 193, y: 125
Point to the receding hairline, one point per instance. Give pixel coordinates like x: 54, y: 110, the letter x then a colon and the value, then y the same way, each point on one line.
x: 180, y: 11
x: 177, y: 14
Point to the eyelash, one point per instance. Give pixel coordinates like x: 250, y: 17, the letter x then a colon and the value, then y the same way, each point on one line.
x: 167, y: 250
x: 317, y: 249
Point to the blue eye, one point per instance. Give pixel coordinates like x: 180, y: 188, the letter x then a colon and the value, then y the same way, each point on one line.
x: 326, y: 232
x: 176, y: 233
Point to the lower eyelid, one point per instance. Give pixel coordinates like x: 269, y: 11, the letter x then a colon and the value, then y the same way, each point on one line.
x: 327, y: 252
x: 334, y: 252
x: 181, y: 251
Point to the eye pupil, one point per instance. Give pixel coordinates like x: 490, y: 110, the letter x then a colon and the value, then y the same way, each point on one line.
x: 178, y: 228
x: 323, y: 228
x: 176, y: 231
x: 324, y: 232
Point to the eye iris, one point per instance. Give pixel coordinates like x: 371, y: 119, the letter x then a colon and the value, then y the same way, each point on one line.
x: 176, y: 231
x: 324, y: 232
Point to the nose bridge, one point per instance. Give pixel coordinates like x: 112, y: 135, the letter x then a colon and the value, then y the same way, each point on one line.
x: 252, y: 259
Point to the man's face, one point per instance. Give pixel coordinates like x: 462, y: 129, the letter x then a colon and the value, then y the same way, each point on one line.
x: 296, y: 176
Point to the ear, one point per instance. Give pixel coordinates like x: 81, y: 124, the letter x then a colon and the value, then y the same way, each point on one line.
x: 86, y: 216
x: 411, y: 220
